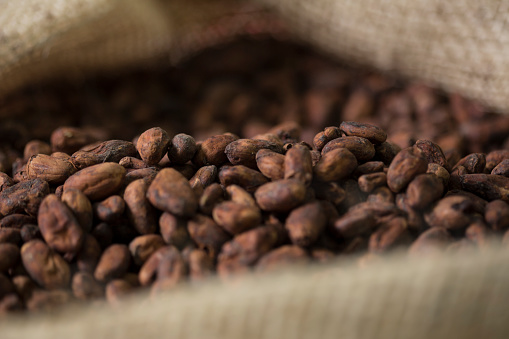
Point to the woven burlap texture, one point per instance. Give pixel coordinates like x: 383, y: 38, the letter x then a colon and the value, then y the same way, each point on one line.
x: 44, y: 39
x: 454, y: 297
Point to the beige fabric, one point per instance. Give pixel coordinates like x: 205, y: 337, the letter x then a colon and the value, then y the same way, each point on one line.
x: 454, y: 297
x: 461, y: 45
x: 41, y: 39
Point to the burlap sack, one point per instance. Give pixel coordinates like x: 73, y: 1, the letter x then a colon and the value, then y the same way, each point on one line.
x: 452, y: 297
x: 459, y: 45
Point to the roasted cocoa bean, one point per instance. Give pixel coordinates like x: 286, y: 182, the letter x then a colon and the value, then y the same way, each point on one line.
x: 80, y: 206
x: 142, y: 247
x: 207, y: 234
x: 113, y: 263
x: 45, y: 266
x: 373, y: 133
x: 174, y: 230
x: 107, y: 151
x: 361, y: 148
x: 243, y: 151
x: 242, y: 176
x: 99, y: 181
x: 170, y: 192
x: 236, y: 218
x: 281, y: 195
x: 109, y: 209
x: 59, y: 227
x: 298, y: 165
x: 24, y: 196
x: 406, y: 165
x: 152, y: 145
x: 335, y: 165
x: 306, y: 223
x: 270, y: 164
x: 85, y: 287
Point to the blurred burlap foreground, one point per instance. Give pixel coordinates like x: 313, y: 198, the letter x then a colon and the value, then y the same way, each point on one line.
x: 460, y: 45
x: 453, y: 297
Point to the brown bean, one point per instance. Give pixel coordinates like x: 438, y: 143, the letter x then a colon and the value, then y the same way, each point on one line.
x: 306, y: 223
x: 452, y: 212
x: 170, y: 191
x: 487, y: 186
x: 243, y: 151
x: 181, y: 149
x: 85, y: 287
x: 207, y: 234
x: 88, y: 257
x: 391, y: 234
x: 423, y: 190
x: 148, y: 271
x: 361, y: 148
x: 282, y: 256
x: 143, y: 246
x: 9, y: 256
x: 496, y: 215
x: 281, y: 195
x: 152, y: 145
x: 59, y: 227
x: 271, y: 164
x: 368, y: 182
x: 35, y: 147
x: 406, y: 165
x: 17, y: 221
x: 71, y: 139
x: 243, y: 176
x: 502, y: 168
x: 174, y: 230
x: 353, y: 224
x: 335, y: 165
x: 386, y: 152
x: 99, y: 181
x: 10, y: 236
x: 110, y: 209
x: 494, y: 158
x: 473, y: 163
x: 236, y: 218
x: 138, y: 209
x: 132, y: 163
x: 51, y: 169
x: 239, y: 195
x: 24, y: 196
x: 205, y: 176
x: 211, y: 196
x: 201, y: 265
x: 328, y: 134
x: 45, y: 266
x: 432, y: 152
x: 371, y: 132
x: 113, y: 263
x: 212, y: 150
x: 107, y: 151
x: 80, y: 206
x: 298, y: 164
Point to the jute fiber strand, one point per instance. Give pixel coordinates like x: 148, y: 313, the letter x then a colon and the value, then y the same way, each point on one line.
x: 453, y: 297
